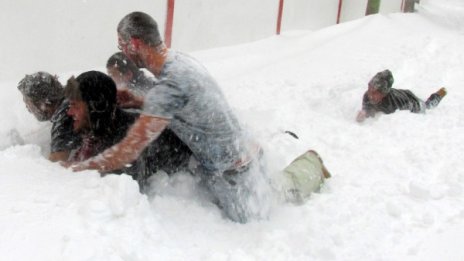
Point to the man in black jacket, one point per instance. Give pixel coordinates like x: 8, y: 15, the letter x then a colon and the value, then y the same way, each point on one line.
x: 381, y: 97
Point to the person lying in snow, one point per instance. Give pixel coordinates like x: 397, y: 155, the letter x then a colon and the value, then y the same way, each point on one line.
x: 43, y: 95
x: 381, y: 97
x: 100, y: 123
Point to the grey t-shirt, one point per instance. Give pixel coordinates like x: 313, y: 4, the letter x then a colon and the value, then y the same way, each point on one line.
x: 199, y: 114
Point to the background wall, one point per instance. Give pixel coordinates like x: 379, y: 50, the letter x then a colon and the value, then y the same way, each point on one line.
x: 309, y: 14
x: 353, y: 9
x: 390, y: 6
x: 57, y: 31
x: 203, y: 24
x: 198, y: 24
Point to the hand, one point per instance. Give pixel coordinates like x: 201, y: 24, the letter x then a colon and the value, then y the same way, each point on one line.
x: 361, y: 116
x: 75, y: 166
x: 127, y: 99
x: 78, y: 166
x: 65, y: 164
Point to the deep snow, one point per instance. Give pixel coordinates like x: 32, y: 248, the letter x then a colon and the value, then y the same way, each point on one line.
x: 397, y: 191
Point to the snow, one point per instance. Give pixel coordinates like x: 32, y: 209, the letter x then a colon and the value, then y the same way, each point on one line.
x: 397, y: 186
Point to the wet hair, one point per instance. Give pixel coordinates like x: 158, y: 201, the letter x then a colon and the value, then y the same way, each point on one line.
x: 98, y: 91
x: 41, y: 87
x: 140, y: 25
x: 72, y: 91
x: 122, y: 63
x: 382, y: 81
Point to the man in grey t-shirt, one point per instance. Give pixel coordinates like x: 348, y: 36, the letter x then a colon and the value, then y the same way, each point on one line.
x: 188, y: 101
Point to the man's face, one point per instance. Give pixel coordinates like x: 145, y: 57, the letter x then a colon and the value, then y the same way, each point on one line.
x: 375, y: 96
x: 40, y: 109
x: 128, y: 48
x: 80, y: 115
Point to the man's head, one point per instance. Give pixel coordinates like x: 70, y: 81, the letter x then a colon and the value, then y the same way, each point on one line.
x: 121, y: 69
x: 135, y: 29
x: 379, y: 86
x: 92, y: 102
x: 42, y: 93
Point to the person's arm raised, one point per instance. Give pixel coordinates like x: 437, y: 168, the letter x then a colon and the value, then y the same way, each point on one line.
x: 145, y: 129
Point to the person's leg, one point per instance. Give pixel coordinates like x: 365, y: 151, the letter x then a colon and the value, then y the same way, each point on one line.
x: 242, y: 195
x: 435, y: 98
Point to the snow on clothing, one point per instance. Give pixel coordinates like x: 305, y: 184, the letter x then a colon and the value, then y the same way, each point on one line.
x: 199, y: 115
x: 395, y: 100
x: 190, y: 98
x: 62, y: 136
x: 141, y: 84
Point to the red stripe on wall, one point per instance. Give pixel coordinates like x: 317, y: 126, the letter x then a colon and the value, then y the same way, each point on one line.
x: 339, y: 13
x: 279, y: 16
x: 169, y: 23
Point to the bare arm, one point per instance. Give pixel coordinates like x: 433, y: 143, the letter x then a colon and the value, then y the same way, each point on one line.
x: 145, y: 129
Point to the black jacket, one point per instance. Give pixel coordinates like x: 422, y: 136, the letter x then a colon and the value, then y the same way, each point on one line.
x: 395, y: 100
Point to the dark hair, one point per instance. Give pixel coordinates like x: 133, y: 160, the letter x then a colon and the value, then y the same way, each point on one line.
x: 41, y: 87
x: 140, y: 25
x: 98, y: 91
x: 123, y: 64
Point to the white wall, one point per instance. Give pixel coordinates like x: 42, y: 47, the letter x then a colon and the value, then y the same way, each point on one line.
x: 309, y: 14
x: 390, y: 6
x: 353, y: 9
x: 57, y: 31
x: 204, y: 24
x: 198, y: 24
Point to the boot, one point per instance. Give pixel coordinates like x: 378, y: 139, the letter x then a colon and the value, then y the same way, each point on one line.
x: 325, y: 172
x: 435, y: 98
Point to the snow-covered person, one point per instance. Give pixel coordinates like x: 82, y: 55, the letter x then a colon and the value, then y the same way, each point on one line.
x: 128, y: 77
x: 189, y: 101
x: 101, y: 123
x: 381, y: 97
x: 44, y: 98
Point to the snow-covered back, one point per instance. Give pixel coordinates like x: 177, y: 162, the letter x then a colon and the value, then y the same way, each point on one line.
x: 397, y: 186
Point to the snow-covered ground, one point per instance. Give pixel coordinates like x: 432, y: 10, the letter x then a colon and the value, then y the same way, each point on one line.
x: 397, y: 191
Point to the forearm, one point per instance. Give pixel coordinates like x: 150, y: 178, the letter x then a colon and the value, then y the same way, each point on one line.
x: 140, y: 135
